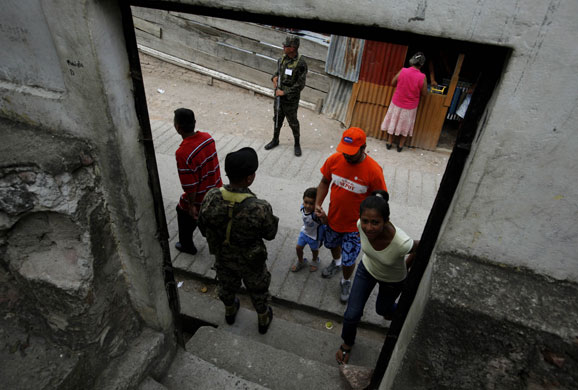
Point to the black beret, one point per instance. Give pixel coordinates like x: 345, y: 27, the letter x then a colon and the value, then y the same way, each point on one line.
x: 242, y: 163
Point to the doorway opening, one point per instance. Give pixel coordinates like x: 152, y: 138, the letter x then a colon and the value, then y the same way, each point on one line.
x: 484, y: 63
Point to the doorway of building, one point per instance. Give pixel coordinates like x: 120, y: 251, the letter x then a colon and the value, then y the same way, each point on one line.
x: 282, y: 172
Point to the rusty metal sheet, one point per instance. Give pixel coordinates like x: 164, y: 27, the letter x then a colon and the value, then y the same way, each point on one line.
x: 344, y: 57
x: 381, y: 61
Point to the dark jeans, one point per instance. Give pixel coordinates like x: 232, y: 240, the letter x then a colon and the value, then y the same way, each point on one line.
x: 187, y: 225
x: 363, y: 285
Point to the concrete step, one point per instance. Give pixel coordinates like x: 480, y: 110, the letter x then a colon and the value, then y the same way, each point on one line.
x: 131, y: 367
x: 191, y: 372
x: 150, y: 384
x: 263, y: 364
x: 304, y: 341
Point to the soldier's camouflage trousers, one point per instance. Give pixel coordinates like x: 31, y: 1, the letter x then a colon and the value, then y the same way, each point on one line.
x: 289, y: 111
x: 256, y: 277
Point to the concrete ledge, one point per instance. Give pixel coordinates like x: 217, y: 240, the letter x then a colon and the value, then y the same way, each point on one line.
x: 128, y: 370
x: 263, y: 364
x: 298, y: 339
x: 150, y: 384
x: 191, y: 372
x: 27, y: 146
x: 488, y: 326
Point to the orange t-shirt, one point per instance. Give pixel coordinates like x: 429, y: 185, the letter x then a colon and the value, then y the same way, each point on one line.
x: 350, y: 185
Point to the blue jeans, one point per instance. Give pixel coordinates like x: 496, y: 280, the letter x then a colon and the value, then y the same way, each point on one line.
x: 363, y: 285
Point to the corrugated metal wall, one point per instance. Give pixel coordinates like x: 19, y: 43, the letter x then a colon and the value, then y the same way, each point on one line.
x: 343, y: 63
x: 372, y: 93
x: 344, y: 57
x: 337, y: 99
x: 371, y: 96
x: 381, y: 61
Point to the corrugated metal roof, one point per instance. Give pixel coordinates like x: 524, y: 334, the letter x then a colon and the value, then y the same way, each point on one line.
x: 344, y: 57
x: 337, y: 100
x: 381, y: 61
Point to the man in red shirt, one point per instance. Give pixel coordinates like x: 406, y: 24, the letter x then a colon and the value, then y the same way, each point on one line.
x: 198, y: 167
x: 353, y: 176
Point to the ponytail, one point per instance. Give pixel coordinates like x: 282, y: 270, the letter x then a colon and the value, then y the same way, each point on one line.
x: 378, y: 200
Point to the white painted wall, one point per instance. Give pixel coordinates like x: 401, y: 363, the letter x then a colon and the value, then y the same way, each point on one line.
x: 67, y: 71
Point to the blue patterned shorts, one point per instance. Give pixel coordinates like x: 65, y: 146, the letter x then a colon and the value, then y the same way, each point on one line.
x: 349, y: 242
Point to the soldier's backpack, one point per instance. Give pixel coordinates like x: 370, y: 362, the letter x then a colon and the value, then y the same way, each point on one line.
x: 232, y: 199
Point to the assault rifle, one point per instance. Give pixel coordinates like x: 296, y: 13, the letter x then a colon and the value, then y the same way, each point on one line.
x: 278, y: 98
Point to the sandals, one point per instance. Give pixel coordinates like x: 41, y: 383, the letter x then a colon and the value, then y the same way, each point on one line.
x: 314, y: 266
x: 342, y: 356
x: 299, y: 265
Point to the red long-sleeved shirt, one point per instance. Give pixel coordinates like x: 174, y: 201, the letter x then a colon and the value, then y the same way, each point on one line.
x: 198, y: 167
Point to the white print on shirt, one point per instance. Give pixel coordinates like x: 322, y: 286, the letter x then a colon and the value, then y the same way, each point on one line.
x: 348, y: 185
x: 288, y: 72
x: 310, y: 224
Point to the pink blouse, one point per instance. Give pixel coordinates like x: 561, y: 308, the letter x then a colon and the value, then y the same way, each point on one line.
x: 409, y: 84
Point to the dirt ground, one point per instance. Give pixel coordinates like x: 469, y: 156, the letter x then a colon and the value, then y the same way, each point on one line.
x: 220, y: 106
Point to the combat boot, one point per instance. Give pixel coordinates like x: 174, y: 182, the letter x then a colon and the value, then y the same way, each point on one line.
x: 275, y: 141
x: 297, y: 147
x: 231, y: 311
x: 265, y: 320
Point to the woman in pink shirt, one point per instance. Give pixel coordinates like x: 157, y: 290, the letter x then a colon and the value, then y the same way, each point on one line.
x: 410, y: 85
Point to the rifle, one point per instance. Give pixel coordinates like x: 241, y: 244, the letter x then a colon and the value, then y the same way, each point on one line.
x: 278, y: 98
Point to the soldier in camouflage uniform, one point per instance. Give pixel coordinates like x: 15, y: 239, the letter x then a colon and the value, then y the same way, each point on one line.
x: 235, y: 223
x: 293, y: 70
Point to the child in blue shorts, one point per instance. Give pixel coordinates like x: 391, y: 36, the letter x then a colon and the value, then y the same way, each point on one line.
x: 311, y: 233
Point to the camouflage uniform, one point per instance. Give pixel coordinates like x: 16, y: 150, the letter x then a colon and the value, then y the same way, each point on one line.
x: 291, y: 85
x: 243, y: 259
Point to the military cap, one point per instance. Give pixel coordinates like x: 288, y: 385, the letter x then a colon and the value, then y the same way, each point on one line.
x: 291, y: 40
x: 242, y: 163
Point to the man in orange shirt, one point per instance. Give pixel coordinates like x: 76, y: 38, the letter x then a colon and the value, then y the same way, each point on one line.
x: 352, y: 176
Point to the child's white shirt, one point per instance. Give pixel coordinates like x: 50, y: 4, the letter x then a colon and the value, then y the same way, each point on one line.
x: 310, y: 224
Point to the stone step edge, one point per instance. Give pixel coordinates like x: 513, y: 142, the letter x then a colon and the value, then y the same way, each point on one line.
x: 312, y: 372
x: 202, y: 371
x: 284, y: 302
x: 147, y: 349
x: 149, y: 383
x: 321, y: 343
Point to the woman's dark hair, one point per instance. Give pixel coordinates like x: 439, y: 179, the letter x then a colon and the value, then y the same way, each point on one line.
x: 310, y: 193
x: 378, y: 200
x: 418, y: 59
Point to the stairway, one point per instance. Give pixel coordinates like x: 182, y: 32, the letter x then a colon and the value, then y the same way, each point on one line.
x: 290, y: 356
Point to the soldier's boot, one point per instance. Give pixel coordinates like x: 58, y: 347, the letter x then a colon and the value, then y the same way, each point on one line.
x: 265, y: 320
x: 275, y: 141
x: 296, y: 134
x: 231, y: 312
x: 297, y: 147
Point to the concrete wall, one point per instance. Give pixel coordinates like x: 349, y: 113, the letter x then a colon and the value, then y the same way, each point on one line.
x: 516, y: 204
x: 78, y: 237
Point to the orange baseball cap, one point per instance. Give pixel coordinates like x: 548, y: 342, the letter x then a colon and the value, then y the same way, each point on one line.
x: 352, y: 139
